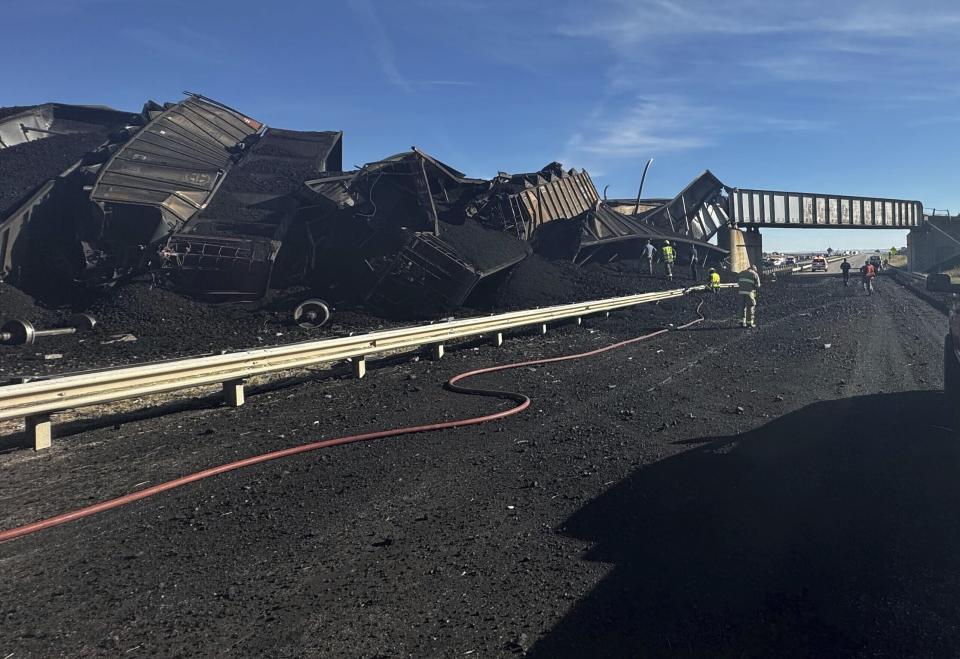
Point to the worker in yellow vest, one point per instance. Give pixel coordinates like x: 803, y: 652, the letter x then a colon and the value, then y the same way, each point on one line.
x: 714, y: 281
x: 669, y: 256
x: 749, y: 285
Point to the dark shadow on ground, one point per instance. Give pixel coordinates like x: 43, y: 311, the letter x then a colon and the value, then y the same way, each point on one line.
x: 832, y: 531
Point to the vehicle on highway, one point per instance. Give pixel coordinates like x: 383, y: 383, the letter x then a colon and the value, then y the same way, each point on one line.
x: 951, y: 361
x: 819, y: 264
x: 875, y: 261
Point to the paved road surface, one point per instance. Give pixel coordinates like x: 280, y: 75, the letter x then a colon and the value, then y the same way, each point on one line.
x: 786, y: 491
x: 834, y: 267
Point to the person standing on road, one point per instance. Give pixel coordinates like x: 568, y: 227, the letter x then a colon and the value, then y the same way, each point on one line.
x: 668, y: 258
x: 648, y: 251
x: 714, y: 281
x: 868, y: 273
x: 845, y: 269
x: 694, y: 263
x: 749, y: 285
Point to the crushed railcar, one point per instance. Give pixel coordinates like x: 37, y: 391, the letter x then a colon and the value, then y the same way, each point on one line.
x: 222, y: 207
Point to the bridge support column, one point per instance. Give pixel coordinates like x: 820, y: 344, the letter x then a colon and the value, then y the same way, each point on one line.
x: 745, y: 246
x: 936, y: 240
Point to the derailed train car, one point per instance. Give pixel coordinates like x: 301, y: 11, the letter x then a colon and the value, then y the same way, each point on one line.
x: 224, y: 207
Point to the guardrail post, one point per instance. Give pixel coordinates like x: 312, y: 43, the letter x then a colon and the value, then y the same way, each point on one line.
x: 436, y: 351
x: 359, y: 367
x: 40, y: 430
x: 233, y: 393
x: 498, y: 339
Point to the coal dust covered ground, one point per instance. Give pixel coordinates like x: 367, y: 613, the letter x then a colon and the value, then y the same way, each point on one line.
x: 139, y: 322
x: 788, y: 491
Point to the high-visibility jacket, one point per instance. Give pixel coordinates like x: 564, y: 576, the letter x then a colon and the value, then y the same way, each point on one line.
x: 748, y: 282
x: 668, y: 254
x: 715, y: 279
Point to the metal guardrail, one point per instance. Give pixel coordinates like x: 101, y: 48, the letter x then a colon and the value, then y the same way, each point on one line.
x: 35, y: 401
x: 917, y: 276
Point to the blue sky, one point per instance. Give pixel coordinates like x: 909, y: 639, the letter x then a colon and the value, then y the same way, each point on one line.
x: 850, y: 97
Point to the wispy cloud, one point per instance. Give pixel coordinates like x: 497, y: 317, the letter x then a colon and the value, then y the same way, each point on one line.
x: 642, y: 126
x: 647, y: 126
x: 380, y: 41
x: 686, y: 74
x: 630, y: 22
x: 798, y: 41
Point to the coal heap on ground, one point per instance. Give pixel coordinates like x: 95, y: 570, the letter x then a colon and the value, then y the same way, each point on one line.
x: 486, y: 250
x: 25, y: 167
x: 537, y: 282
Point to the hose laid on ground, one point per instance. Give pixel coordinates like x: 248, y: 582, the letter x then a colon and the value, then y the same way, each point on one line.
x: 523, y: 402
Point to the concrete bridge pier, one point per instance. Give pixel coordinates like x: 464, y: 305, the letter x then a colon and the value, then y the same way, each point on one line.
x: 932, y: 242
x: 745, y: 247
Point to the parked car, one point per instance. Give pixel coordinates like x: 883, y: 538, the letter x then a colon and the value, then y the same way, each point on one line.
x: 819, y: 264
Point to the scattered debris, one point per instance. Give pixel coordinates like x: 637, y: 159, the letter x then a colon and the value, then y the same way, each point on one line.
x: 119, y: 338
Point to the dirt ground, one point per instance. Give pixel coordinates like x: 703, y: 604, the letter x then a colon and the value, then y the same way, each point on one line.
x: 784, y: 491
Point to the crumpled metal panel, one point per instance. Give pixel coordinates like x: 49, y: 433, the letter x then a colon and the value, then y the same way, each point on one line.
x: 562, y: 197
x: 603, y: 226
x: 334, y: 188
x: 218, y: 267
x: 682, y: 214
x: 426, y: 277
x: 41, y: 121
x: 177, y: 160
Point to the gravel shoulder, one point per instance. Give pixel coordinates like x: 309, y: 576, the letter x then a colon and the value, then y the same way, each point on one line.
x: 711, y: 492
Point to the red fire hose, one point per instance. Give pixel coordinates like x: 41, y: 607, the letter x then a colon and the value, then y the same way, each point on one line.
x: 522, y: 403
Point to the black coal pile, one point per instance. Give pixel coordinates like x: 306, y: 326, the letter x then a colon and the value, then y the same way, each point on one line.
x: 25, y: 167
x: 485, y: 249
x: 538, y: 282
x: 140, y: 322
x: 15, y: 304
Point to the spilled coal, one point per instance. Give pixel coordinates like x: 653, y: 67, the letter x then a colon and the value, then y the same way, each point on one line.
x: 25, y: 167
